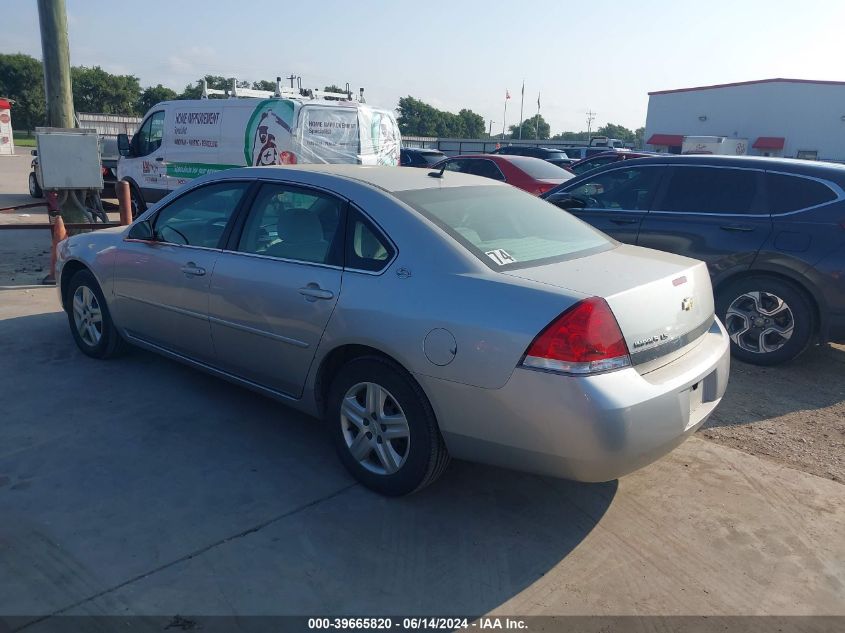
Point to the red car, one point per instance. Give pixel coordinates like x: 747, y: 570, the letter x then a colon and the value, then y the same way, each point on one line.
x: 605, y: 158
x: 533, y: 175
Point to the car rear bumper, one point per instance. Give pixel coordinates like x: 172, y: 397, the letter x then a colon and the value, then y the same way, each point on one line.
x: 594, y: 428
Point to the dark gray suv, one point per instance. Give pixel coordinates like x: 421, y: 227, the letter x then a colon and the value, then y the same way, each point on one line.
x: 772, y: 232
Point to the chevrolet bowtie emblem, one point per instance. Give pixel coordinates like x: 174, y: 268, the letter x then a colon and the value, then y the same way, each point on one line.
x: 686, y: 304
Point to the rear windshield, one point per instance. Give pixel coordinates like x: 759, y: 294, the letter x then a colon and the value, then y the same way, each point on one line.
x: 505, y: 227
x: 432, y: 158
x: 555, y: 155
x: 540, y: 169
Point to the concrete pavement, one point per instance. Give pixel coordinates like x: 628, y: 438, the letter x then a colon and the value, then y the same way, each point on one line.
x: 138, y: 486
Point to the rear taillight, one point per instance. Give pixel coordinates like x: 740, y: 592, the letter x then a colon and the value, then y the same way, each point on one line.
x: 583, y: 340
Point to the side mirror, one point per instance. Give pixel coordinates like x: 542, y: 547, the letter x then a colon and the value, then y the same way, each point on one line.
x: 123, y: 147
x: 141, y: 231
x: 34, y: 152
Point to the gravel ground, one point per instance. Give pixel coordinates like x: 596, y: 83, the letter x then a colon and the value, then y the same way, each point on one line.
x: 793, y: 414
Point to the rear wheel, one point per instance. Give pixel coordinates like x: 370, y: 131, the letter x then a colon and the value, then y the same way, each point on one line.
x: 383, y: 427
x: 89, y: 318
x: 768, y: 320
x: 34, y: 187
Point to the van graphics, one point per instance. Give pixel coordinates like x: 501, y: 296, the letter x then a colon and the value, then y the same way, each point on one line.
x: 268, y: 133
x: 328, y: 134
x: 196, y: 129
x: 194, y: 170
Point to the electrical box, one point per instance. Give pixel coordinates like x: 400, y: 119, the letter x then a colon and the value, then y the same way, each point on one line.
x: 69, y: 158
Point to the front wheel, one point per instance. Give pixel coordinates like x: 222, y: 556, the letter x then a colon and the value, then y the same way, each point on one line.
x: 34, y: 188
x: 768, y: 320
x: 383, y: 427
x: 137, y: 201
x: 89, y: 318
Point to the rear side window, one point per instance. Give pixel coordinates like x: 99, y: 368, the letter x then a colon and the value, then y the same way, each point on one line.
x: 505, y: 227
x: 791, y: 193
x: 540, y: 169
x: 710, y: 190
x: 485, y: 168
x: 366, y: 248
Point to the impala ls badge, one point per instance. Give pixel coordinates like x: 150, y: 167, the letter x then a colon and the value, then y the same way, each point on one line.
x: 686, y: 304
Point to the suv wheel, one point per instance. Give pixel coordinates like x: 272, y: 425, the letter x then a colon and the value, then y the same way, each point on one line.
x: 769, y: 320
x: 383, y: 427
x: 34, y: 188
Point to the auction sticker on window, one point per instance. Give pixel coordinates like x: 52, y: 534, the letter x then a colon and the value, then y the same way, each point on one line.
x: 500, y: 256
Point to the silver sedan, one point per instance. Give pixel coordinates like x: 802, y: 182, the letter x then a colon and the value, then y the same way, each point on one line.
x: 422, y: 314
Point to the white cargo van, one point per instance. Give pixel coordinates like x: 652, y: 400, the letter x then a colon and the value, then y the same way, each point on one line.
x: 719, y: 145
x: 180, y: 140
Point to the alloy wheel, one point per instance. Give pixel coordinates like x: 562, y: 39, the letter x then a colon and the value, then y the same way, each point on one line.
x: 87, y: 316
x: 375, y: 428
x: 759, y: 322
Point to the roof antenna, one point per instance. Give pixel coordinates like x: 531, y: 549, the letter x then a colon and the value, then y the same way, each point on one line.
x: 438, y: 174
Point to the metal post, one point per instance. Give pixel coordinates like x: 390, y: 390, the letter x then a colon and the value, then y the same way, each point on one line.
x: 504, y: 118
x: 52, y: 17
x: 125, y: 200
x: 521, y: 102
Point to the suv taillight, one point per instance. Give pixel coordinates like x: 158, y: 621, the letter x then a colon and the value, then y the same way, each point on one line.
x: 583, y: 340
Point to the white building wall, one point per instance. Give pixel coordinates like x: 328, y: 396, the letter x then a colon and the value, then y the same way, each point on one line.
x: 808, y: 115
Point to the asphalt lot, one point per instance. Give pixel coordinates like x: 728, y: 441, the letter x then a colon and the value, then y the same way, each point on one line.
x: 138, y: 486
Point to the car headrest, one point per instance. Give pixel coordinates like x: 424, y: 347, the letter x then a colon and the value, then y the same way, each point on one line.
x: 299, y: 225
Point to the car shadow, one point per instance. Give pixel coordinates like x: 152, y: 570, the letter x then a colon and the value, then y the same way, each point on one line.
x: 812, y: 381
x: 141, y: 468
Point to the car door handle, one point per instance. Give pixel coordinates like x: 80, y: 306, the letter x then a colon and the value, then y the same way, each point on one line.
x: 737, y: 227
x: 312, y: 292
x: 192, y: 270
x: 624, y: 220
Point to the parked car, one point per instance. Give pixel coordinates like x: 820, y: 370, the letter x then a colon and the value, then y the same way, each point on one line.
x: 580, y: 153
x: 605, y: 158
x: 419, y: 157
x: 546, y: 153
x: 772, y: 232
x: 533, y: 175
x: 473, y: 320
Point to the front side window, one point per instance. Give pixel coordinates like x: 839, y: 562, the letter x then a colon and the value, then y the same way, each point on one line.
x: 199, y: 218
x: 293, y: 223
x: 791, y: 193
x: 710, y: 190
x: 505, y: 227
x: 149, y: 136
x: 627, y: 189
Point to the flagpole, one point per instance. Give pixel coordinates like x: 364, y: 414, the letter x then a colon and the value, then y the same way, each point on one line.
x: 505, y: 116
x: 537, y: 122
x: 521, y: 101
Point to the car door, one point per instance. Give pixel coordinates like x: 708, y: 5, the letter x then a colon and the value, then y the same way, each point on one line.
x: 713, y: 213
x: 614, y: 201
x: 147, y: 165
x: 276, y: 284
x: 161, y: 284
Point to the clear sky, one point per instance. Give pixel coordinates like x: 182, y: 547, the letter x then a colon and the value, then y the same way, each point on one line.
x: 603, y: 55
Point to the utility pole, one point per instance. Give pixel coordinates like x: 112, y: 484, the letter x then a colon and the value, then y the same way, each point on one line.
x: 591, y: 116
x: 52, y: 17
x: 490, y: 130
x: 292, y: 78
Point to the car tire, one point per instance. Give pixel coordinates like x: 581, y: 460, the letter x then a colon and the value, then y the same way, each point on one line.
x: 770, y: 321
x: 89, y: 318
x: 374, y: 449
x: 34, y: 188
x: 137, y: 201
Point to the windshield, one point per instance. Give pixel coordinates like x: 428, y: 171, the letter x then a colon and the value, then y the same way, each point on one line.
x: 540, y: 169
x: 505, y: 227
x: 555, y: 156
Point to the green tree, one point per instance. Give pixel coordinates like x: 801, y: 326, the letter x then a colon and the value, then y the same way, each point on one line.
x: 95, y: 90
x: 530, y: 128
x: 263, y: 84
x: 22, y: 80
x: 639, y: 137
x: 153, y: 95
x: 194, y: 90
x: 334, y: 88
x: 417, y: 118
x: 572, y: 136
x: 612, y: 130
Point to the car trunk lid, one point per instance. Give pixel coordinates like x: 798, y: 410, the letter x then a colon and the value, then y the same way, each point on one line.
x: 662, y: 302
